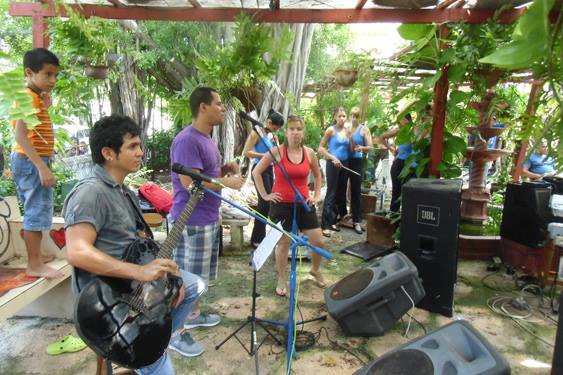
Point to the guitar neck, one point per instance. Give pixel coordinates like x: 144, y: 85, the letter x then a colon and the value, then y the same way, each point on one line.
x: 167, y: 249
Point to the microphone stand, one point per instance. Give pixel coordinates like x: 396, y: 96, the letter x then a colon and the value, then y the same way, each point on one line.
x: 290, y: 323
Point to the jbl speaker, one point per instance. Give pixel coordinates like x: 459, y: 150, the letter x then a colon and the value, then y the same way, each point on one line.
x: 526, y: 213
x: 369, y: 301
x: 429, y: 231
x: 454, y: 349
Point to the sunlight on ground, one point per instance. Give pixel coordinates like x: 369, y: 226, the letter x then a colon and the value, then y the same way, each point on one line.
x: 532, y: 363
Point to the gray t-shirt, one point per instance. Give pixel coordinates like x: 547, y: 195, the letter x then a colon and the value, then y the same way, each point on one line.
x: 100, y: 201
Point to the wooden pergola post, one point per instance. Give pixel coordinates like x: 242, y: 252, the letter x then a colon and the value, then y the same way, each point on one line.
x: 40, y: 31
x: 439, y: 115
x: 522, y: 148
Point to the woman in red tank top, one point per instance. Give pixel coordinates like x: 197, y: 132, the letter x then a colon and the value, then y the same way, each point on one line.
x: 298, y: 161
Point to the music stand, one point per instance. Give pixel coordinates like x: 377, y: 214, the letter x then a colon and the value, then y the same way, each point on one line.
x: 258, y: 258
x: 289, y: 324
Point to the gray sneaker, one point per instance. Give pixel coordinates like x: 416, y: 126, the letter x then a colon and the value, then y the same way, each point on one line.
x: 203, y: 320
x: 186, y: 345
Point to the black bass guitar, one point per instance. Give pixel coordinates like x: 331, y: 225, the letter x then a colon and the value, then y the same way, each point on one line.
x: 126, y: 321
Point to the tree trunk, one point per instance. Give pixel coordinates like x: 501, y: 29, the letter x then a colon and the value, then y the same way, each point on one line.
x: 291, y: 74
x: 224, y: 135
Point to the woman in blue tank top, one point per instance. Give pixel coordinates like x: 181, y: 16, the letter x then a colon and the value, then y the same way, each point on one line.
x: 255, y: 148
x: 334, y: 147
x: 360, y: 144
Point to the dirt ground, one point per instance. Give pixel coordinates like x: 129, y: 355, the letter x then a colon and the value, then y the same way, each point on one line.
x: 23, y: 340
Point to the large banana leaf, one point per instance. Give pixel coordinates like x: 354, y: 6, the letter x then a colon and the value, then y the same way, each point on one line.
x: 530, y: 39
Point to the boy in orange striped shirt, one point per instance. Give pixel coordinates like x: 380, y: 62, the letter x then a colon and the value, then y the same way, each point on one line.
x: 31, y: 160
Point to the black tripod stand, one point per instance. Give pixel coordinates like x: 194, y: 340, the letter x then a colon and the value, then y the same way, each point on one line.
x: 253, y: 321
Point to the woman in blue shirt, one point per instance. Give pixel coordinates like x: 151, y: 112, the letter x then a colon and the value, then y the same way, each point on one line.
x: 335, y: 148
x: 360, y: 143
x: 539, y: 164
x: 402, y: 153
x: 256, y: 147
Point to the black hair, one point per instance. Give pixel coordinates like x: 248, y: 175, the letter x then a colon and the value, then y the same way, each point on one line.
x: 110, y: 131
x: 37, y: 57
x: 200, y: 95
x: 275, y: 117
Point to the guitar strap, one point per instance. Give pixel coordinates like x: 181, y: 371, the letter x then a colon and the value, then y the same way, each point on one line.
x: 142, y: 226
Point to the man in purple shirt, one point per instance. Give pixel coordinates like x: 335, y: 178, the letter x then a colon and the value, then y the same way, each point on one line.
x: 198, y: 249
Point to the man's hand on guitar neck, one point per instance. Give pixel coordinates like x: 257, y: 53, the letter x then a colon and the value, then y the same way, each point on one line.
x: 158, y: 268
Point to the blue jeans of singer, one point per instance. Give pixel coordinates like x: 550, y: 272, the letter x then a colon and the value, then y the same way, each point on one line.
x: 195, y: 287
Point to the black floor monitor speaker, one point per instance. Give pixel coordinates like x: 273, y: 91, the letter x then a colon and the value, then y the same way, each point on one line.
x: 429, y: 232
x: 526, y: 213
x: 454, y: 349
x: 371, y: 300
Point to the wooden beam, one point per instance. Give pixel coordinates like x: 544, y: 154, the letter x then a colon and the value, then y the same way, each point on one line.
x: 39, y: 31
x: 276, y: 16
x: 361, y: 4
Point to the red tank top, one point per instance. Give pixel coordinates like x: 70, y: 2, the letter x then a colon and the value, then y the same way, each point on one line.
x: 298, y: 173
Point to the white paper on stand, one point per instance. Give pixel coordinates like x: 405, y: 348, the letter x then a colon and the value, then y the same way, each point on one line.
x: 265, y: 248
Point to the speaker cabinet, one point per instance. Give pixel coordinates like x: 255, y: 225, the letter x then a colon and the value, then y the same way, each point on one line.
x: 429, y: 232
x: 526, y: 213
x: 369, y: 301
x: 454, y: 349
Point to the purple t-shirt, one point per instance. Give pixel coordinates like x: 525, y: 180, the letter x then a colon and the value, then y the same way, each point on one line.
x: 196, y: 150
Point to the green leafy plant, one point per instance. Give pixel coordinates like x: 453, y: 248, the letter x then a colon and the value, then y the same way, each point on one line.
x: 15, y: 103
x: 89, y: 39
x: 7, y: 186
x: 156, y: 159
x: 492, y: 225
x: 251, y: 60
x: 537, y: 44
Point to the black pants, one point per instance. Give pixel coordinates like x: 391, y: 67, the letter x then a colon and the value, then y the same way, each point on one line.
x: 335, y: 199
x: 259, y: 229
x: 397, y: 184
x: 356, y: 165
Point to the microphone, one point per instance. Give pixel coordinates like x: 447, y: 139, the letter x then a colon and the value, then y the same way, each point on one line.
x: 246, y: 117
x: 195, y: 175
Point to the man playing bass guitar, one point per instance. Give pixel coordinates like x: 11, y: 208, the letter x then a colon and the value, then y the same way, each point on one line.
x: 101, y: 220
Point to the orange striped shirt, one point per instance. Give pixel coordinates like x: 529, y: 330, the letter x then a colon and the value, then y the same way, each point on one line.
x: 42, y: 137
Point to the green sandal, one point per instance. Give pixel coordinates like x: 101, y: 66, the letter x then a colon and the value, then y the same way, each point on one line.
x: 69, y: 344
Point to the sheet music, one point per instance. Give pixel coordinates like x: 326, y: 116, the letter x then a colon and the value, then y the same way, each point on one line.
x: 265, y: 248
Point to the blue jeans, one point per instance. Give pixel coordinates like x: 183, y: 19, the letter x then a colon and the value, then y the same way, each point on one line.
x: 37, y: 200
x: 195, y: 287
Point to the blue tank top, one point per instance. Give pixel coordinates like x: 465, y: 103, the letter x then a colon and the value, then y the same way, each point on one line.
x: 339, y: 146
x: 404, y: 151
x: 262, y: 148
x: 358, y: 141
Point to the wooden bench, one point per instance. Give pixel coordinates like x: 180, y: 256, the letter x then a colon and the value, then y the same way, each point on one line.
x: 236, y: 230
x: 14, y: 256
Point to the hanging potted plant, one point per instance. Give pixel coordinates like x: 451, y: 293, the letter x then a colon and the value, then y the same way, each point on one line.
x: 86, y: 40
x: 355, y: 66
x: 346, y: 77
x: 241, y: 69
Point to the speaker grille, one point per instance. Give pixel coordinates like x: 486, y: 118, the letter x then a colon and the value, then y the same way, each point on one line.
x: 352, y: 284
x: 403, y: 362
